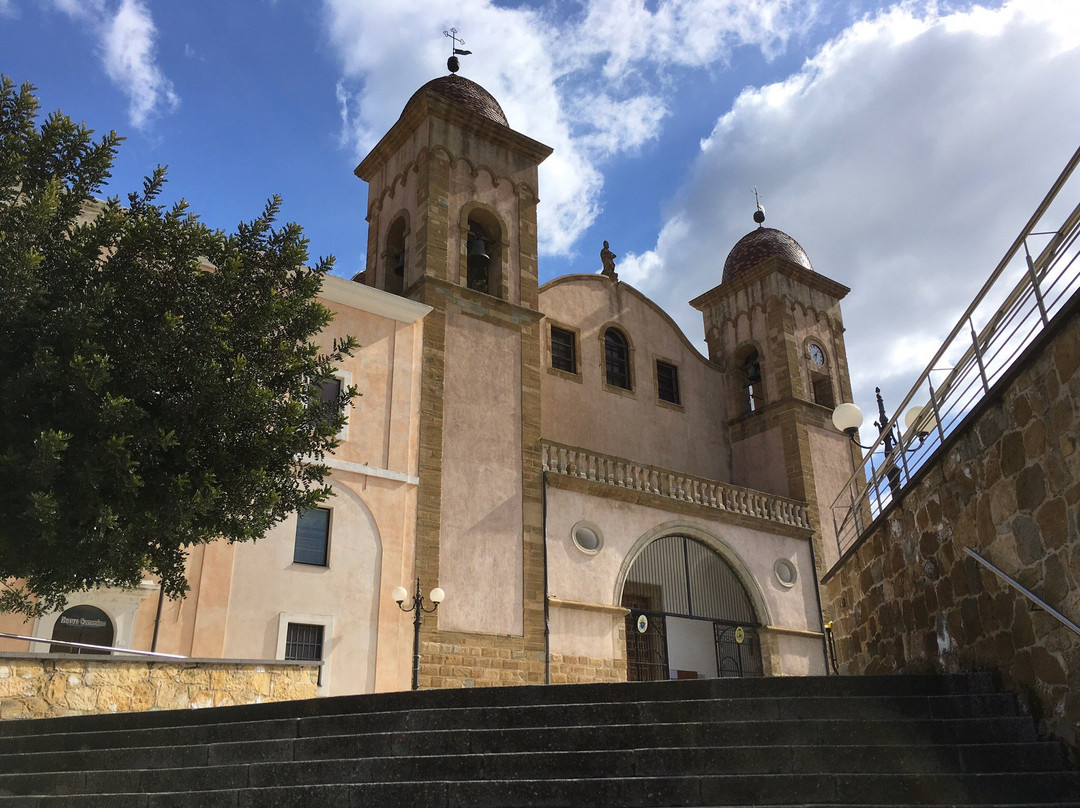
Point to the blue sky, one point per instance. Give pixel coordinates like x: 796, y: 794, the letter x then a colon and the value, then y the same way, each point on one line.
x: 903, y: 145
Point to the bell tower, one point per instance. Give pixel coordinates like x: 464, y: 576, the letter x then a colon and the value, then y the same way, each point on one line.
x: 452, y: 223
x: 774, y: 325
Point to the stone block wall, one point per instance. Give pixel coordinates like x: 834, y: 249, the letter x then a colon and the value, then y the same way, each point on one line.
x: 570, y: 669
x: 907, y: 598
x: 40, y: 686
x: 486, y: 662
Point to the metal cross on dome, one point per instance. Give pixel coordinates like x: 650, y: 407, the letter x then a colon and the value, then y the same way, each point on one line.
x: 452, y: 63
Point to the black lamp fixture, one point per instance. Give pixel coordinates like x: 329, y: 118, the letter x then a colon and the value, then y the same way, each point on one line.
x: 436, y: 596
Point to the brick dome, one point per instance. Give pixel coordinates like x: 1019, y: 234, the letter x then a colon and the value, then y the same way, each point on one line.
x: 760, y: 245
x: 466, y: 93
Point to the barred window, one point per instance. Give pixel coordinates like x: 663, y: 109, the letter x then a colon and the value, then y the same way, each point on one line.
x: 667, y: 382
x: 563, y: 350
x: 303, y: 641
x: 617, y: 359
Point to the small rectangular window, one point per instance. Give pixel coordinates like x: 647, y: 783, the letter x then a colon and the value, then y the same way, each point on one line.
x: 667, y: 382
x: 330, y: 393
x: 312, y: 537
x: 305, y: 641
x: 563, y: 350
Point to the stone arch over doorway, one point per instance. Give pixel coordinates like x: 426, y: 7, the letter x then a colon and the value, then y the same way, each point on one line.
x: 694, y: 607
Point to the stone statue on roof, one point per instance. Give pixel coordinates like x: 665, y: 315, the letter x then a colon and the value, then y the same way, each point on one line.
x: 608, y: 259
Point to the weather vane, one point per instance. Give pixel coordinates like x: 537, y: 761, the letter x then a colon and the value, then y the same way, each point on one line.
x: 759, y: 214
x: 452, y: 63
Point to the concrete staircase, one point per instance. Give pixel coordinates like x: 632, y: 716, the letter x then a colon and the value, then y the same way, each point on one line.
x: 822, y: 741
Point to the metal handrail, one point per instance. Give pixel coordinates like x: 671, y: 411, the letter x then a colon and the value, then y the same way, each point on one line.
x: 1013, y: 318
x: 1042, y: 604
x: 90, y: 645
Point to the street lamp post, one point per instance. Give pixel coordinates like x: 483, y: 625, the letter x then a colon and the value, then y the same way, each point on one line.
x: 848, y: 418
x: 436, y: 597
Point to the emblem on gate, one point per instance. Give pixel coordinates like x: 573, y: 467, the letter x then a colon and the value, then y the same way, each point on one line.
x: 740, y: 635
x: 642, y: 624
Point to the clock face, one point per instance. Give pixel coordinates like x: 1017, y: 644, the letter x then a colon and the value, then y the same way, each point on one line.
x: 817, y: 356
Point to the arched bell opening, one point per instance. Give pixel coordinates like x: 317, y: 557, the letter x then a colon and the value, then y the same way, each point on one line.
x: 690, y: 615
x: 749, y: 380
x: 395, y: 257
x: 483, y: 254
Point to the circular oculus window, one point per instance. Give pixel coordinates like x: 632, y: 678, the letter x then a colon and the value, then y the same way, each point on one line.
x: 587, y: 537
x: 785, y: 572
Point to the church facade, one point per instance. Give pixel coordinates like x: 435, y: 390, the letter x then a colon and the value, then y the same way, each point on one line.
x: 598, y: 500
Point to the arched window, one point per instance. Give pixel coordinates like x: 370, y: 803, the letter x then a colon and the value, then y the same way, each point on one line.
x: 617, y: 359
x: 394, y: 258
x: 752, y: 383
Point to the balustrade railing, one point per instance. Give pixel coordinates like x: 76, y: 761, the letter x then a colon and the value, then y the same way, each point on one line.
x: 574, y: 461
x: 1010, y: 311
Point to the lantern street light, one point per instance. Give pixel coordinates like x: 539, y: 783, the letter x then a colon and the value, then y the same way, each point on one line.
x: 436, y: 597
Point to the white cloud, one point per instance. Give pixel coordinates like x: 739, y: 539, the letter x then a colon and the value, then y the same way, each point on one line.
x: 905, y: 157
x: 686, y: 32
x: 127, y: 38
x: 542, y: 69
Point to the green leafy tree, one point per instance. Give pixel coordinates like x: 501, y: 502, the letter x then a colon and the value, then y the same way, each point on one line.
x: 159, y: 380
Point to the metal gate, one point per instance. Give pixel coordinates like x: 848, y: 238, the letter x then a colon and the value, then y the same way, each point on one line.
x: 738, y: 651
x: 681, y: 577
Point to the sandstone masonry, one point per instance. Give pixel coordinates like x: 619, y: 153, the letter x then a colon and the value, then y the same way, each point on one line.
x: 48, y: 686
x: 907, y: 598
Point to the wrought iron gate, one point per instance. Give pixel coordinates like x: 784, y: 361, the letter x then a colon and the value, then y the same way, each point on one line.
x: 738, y: 651
x: 646, y: 652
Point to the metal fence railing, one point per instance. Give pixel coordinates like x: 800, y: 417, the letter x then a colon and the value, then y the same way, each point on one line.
x: 1037, y: 276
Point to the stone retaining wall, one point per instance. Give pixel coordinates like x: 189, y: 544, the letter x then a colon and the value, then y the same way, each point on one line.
x: 907, y: 598
x: 47, y: 686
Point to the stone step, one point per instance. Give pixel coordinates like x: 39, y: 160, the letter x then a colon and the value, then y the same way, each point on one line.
x: 1058, y: 789
x: 883, y: 708
x: 897, y: 733
x: 646, y: 762
x: 882, y: 741
x: 682, y: 690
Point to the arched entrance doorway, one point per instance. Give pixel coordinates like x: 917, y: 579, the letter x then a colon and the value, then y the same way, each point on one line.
x: 87, y: 624
x: 690, y: 615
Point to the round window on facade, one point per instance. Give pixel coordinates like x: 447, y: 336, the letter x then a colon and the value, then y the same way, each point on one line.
x: 587, y: 537
x: 786, y: 573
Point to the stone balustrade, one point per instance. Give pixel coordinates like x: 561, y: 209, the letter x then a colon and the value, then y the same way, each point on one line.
x: 574, y: 461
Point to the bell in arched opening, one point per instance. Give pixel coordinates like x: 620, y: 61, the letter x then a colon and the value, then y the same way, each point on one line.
x: 478, y: 261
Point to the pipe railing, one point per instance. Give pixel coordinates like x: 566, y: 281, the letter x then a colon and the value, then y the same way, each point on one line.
x: 73, y: 644
x: 1014, y: 306
x: 1027, y: 593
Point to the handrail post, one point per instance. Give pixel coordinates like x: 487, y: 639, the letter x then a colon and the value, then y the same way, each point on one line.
x: 1035, y: 284
x: 978, y: 355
